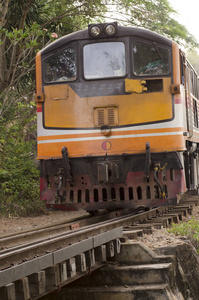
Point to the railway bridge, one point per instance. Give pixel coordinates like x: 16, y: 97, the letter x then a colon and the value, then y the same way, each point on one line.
x: 36, y: 263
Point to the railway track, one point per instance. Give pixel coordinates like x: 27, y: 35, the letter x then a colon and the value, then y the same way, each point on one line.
x: 67, y: 241
x: 48, y: 232
x: 16, y: 248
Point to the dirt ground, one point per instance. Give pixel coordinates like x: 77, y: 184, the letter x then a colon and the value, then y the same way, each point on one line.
x: 161, y: 237
x: 17, y: 224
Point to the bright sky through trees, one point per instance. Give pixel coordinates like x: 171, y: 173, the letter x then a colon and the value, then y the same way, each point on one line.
x: 188, y: 11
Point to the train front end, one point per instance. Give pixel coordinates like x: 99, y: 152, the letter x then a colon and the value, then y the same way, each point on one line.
x: 110, y: 131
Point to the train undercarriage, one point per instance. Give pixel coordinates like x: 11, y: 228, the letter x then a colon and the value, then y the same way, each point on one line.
x: 118, y: 181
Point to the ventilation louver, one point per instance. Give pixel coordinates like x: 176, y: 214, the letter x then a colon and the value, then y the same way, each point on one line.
x: 105, y: 116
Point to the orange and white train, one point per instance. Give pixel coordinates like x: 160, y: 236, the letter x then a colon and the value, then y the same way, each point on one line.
x: 117, y: 111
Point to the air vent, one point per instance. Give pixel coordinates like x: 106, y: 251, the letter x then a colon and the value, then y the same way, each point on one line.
x: 105, y: 116
x: 111, y: 116
x: 100, y: 117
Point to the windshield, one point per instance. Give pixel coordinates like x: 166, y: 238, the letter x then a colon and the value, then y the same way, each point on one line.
x: 150, y: 59
x: 102, y: 60
x: 61, y: 66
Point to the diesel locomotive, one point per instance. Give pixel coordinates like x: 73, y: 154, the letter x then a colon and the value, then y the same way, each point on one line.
x: 117, y: 119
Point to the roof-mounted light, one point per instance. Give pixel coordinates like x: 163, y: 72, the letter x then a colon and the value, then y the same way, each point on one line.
x: 95, y: 31
x: 110, y: 29
x: 103, y: 30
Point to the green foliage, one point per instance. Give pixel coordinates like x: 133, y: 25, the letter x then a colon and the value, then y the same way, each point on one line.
x: 26, y: 12
x: 65, y: 16
x: 17, y: 50
x: 19, y: 175
x: 72, y: 15
x: 155, y: 15
x: 189, y: 230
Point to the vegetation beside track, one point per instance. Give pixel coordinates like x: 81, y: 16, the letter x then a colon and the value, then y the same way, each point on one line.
x: 189, y: 230
x: 19, y: 174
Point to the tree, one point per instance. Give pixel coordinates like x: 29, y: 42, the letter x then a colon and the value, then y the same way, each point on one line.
x: 19, y: 184
x: 154, y: 15
x: 18, y: 48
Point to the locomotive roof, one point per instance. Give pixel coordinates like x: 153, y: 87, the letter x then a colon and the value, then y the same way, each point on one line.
x: 122, y: 31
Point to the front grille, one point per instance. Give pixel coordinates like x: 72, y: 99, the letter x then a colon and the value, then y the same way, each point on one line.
x: 117, y: 194
x: 105, y: 116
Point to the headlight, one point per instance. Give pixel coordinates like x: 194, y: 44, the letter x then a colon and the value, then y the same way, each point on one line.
x: 110, y: 29
x: 103, y: 30
x: 95, y: 30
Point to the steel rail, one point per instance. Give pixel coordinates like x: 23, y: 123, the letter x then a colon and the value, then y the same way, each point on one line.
x: 27, y: 236
x: 46, y: 243
x: 42, y: 246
